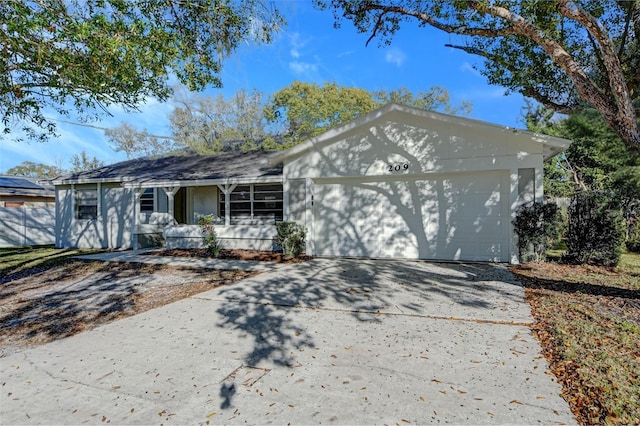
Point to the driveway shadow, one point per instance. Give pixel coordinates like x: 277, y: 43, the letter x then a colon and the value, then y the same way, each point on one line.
x: 264, y: 307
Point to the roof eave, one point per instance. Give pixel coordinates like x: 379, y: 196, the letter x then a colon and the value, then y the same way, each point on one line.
x: 57, y: 182
x: 203, y: 182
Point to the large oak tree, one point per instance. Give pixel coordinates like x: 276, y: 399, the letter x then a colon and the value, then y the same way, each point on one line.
x: 563, y: 53
x: 82, y: 56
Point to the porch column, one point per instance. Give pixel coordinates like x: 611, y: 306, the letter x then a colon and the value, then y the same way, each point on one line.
x: 136, y: 193
x: 226, y: 190
x: 171, y: 192
x: 73, y: 202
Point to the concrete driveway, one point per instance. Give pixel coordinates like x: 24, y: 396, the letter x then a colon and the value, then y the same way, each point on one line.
x: 328, y: 341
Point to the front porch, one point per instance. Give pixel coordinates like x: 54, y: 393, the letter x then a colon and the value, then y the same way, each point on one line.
x: 245, y: 213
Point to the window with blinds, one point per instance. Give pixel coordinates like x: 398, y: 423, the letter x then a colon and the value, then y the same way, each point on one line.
x: 146, y: 200
x: 86, y: 203
x: 262, y: 202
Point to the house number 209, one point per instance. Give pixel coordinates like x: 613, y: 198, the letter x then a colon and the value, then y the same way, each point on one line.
x: 398, y: 167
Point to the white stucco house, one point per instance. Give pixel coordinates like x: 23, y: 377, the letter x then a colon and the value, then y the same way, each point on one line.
x: 399, y: 182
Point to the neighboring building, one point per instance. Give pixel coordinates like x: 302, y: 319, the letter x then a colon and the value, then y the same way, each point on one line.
x: 26, y: 212
x: 19, y: 191
x: 398, y: 182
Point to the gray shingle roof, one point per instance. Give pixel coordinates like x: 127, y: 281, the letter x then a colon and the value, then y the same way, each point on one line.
x: 183, y: 168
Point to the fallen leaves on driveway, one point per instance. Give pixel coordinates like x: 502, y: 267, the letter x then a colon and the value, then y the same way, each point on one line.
x: 41, y: 305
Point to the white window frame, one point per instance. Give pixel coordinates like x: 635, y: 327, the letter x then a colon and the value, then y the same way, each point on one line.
x: 147, y: 195
x: 255, y: 198
x: 85, y: 199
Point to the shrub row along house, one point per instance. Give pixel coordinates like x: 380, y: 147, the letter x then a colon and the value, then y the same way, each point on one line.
x: 398, y: 182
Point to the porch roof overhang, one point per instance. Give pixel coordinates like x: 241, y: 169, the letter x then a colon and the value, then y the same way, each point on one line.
x: 201, y: 182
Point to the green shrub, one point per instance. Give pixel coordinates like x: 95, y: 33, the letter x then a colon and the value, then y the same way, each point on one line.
x: 595, y: 230
x: 633, y: 245
x: 291, y: 238
x: 211, y: 240
x: 537, y: 226
x: 633, y: 242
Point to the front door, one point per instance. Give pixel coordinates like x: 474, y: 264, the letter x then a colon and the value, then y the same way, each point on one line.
x: 180, y: 206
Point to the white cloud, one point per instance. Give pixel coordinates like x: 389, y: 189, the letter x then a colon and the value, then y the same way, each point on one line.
x: 467, y: 67
x: 296, y: 45
x: 396, y: 56
x: 302, y: 67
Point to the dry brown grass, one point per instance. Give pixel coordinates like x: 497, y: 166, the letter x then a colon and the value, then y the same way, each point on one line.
x: 588, y: 322
x: 48, y: 302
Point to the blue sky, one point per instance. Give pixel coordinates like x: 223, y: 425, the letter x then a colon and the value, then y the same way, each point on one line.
x: 308, y: 49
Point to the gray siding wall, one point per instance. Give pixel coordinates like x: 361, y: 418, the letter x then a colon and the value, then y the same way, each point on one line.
x: 111, y: 229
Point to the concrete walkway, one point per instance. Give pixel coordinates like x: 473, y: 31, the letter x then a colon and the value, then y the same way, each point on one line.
x: 328, y: 341
x: 144, y: 256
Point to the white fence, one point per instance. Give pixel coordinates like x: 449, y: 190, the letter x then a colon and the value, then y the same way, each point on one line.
x: 22, y: 226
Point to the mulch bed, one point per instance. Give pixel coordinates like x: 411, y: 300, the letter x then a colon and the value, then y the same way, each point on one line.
x: 236, y: 254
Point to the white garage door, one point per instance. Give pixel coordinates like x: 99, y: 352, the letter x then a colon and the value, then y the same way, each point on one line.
x: 447, y: 217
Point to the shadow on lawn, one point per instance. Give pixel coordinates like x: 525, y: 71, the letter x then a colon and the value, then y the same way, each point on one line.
x: 68, y: 299
x: 580, y: 287
x: 39, y: 260
x: 360, y: 288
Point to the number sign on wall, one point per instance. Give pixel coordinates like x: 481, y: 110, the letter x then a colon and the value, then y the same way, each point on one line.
x: 397, y: 167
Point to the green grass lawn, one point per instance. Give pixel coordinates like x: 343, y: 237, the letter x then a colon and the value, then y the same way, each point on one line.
x: 16, y: 259
x: 630, y: 262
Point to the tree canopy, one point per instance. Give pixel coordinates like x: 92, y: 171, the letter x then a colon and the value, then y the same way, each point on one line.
x: 435, y: 99
x: 245, y: 122
x: 35, y: 170
x: 79, y: 162
x: 81, y: 56
x: 138, y: 143
x: 199, y: 124
x: 208, y: 125
x: 562, y: 53
x: 304, y: 110
x: 597, y: 158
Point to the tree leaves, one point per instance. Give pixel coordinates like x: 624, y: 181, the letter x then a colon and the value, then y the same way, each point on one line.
x: 561, y: 53
x: 34, y: 170
x: 243, y: 122
x: 304, y: 110
x: 88, y: 55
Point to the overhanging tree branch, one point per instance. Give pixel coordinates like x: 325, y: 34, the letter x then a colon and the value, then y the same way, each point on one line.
x: 563, y: 57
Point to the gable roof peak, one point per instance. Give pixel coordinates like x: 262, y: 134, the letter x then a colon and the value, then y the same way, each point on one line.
x: 552, y: 145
